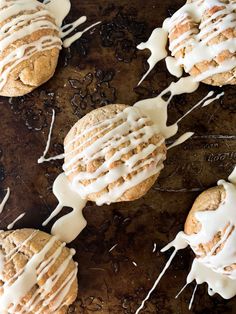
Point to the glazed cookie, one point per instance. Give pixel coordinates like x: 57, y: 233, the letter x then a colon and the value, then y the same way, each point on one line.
x: 29, y: 46
x: 37, y: 273
x: 202, y: 37
x: 209, y: 200
x: 113, y: 154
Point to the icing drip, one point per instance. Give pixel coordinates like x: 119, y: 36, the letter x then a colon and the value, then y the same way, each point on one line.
x: 60, y: 12
x: 154, y: 109
x: 212, y: 268
x: 173, y: 67
x: 75, y: 220
x: 157, y: 108
x: 158, y: 37
x: 197, y: 42
x: 69, y: 41
x: 31, y: 274
x: 11, y: 225
x: 156, y: 282
x: 113, y: 247
x: 43, y: 158
x: 183, y: 138
x: 4, y: 201
x: 192, y: 298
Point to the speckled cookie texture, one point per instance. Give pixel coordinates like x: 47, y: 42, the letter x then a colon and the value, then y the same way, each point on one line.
x: 194, y: 31
x: 207, y: 201
x: 30, y: 72
x: 77, y: 146
x: 17, y: 250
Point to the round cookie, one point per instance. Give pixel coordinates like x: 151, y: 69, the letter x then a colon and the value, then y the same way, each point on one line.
x: 37, y: 273
x: 209, y: 200
x: 29, y: 46
x: 113, y: 154
x: 205, y: 46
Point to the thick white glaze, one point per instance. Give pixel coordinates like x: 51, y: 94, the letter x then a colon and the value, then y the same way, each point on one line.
x: 173, y: 67
x: 200, y: 51
x: 29, y: 276
x: 158, y: 38
x: 211, y: 268
x: 157, y: 108
x: 68, y: 227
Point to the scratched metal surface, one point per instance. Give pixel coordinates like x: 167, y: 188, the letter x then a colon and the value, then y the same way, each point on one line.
x: 104, y: 67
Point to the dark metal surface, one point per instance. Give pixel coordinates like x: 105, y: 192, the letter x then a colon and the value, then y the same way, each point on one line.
x: 101, y: 68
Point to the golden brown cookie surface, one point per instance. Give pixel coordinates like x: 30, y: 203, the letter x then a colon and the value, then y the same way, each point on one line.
x: 29, y: 47
x: 210, y: 200
x: 36, y: 273
x: 114, y: 154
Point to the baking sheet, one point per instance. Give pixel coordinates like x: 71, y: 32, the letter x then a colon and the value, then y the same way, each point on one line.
x: 102, y: 68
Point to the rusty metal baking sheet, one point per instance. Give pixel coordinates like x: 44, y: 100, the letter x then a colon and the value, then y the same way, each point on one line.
x: 104, y: 67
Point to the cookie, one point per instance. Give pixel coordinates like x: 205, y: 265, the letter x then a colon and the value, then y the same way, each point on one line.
x: 113, y: 154
x: 37, y: 273
x: 201, y: 38
x: 209, y: 200
x: 29, y: 46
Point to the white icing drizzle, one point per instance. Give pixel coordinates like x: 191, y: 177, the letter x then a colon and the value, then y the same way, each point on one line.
x: 156, y: 282
x: 131, y: 119
x: 232, y: 176
x: 113, y: 247
x: 11, y: 225
x: 183, y: 138
x: 198, y: 41
x: 157, y: 108
x: 173, y: 67
x: 69, y: 41
x: 69, y: 226
x: 31, y: 274
x: 211, y: 268
x: 19, y: 13
x: 192, y: 298
x: 5, y: 199
x: 176, y: 297
x: 42, y: 158
x: 60, y: 12
x: 158, y: 37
